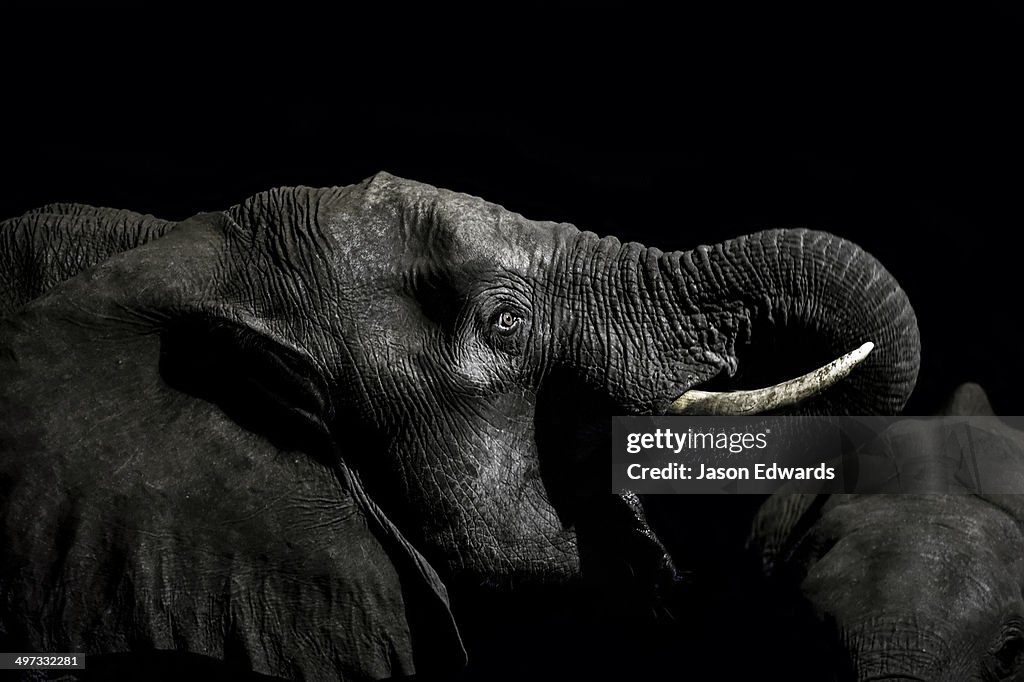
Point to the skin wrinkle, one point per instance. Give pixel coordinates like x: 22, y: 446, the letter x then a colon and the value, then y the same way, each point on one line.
x: 632, y: 322
x: 873, y: 644
x: 603, y: 298
x: 80, y: 237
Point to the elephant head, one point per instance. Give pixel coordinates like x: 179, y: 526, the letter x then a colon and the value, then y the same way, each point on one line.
x: 908, y: 587
x: 298, y: 409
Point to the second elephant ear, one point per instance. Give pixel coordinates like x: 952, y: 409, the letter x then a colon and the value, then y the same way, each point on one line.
x: 779, y: 526
x: 148, y: 505
x: 968, y: 400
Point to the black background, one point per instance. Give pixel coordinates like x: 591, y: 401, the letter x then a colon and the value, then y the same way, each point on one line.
x: 898, y: 128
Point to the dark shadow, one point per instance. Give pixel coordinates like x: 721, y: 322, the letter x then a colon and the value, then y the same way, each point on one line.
x: 261, y: 385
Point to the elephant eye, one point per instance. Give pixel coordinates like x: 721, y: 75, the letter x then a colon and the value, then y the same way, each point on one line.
x: 507, y: 329
x: 1006, y: 658
x: 507, y: 322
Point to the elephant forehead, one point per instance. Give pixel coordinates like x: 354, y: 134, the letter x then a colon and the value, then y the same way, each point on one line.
x: 465, y: 229
x: 950, y: 546
x: 975, y: 520
x: 424, y: 222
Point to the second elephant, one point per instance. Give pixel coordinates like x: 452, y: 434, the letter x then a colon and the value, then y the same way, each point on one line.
x: 907, y: 586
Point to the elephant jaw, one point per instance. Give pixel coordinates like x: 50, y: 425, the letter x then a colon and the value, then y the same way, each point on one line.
x: 756, y: 401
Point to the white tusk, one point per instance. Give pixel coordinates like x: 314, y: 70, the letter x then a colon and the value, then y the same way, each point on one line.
x: 774, y: 397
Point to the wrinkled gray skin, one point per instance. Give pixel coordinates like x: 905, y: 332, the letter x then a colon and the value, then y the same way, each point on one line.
x: 909, y: 587
x: 301, y: 410
x: 49, y: 245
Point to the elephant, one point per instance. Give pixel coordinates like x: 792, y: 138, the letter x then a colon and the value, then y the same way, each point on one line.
x: 53, y: 243
x: 275, y: 435
x: 907, y: 586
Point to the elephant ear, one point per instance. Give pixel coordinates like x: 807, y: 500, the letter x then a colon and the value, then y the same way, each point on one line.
x: 149, y: 503
x: 994, y: 435
x: 779, y: 526
x: 968, y: 400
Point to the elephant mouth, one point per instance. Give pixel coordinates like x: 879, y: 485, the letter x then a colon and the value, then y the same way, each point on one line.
x: 620, y: 551
x: 770, y: 398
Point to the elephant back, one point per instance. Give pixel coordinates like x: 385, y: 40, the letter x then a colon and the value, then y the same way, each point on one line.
x: 53, y: 243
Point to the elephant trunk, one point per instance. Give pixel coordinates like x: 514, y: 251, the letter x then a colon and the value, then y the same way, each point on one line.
x: 750, y: 311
